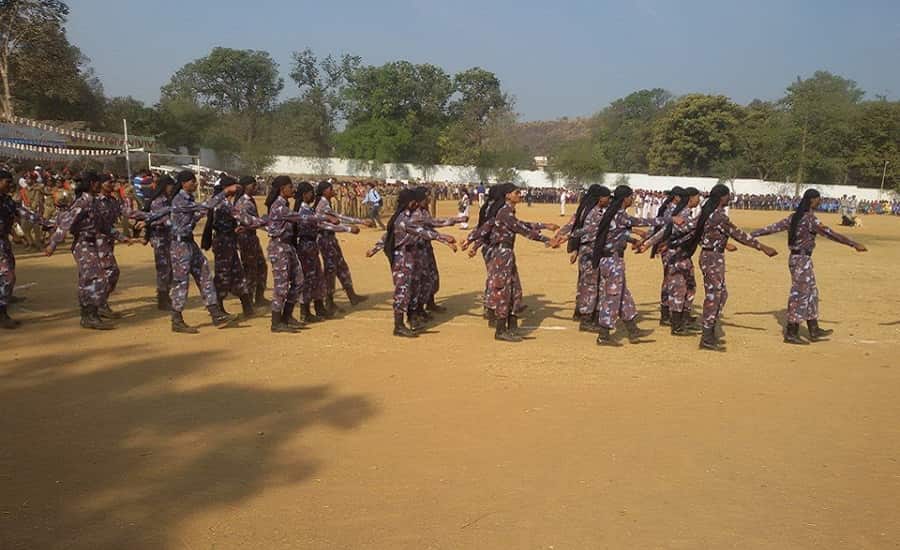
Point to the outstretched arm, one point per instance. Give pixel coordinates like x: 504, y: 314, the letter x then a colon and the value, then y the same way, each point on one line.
x: 822, y: 229
x: 774, y: 228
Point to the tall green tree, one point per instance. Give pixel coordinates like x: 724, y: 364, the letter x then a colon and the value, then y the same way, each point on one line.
x: 313, y: 117
x: 875, y: 141
x: 821, y: 109
x: 762, y: 140
x: 241, y: 83
x: 625, y: 128
x: 395, y: 112
x: 23, y: 23
x: 479, y: 106
x: 697, y: 132
x: 579, y: 161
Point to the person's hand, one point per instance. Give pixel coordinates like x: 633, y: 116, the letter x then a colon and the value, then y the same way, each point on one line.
x: 473, y: 252
x: 240, y: 229
x: 452, y: 247
x: 465, y: 244
x: 730, y: 247
x: 573, y: 257
x: 639, y: 248
x: 860, y: 248
x: 369, y: 223
x: 48, y: 251
x: 642, y: 234
x: 145, y: 242
x: 769, y: 251
x: 370, y: 253
x: 551, y: 226
x: 128, y: 242
x: 448, y: 239
x: 354, y: 229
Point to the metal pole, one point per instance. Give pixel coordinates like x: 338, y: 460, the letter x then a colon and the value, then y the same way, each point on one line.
x: 883, y: 174
x: 127, y: 150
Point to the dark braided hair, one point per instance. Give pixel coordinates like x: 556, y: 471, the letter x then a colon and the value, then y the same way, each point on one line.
x: 802, y: 209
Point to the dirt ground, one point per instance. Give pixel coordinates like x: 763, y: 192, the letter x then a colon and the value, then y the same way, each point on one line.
x: 345, y: 437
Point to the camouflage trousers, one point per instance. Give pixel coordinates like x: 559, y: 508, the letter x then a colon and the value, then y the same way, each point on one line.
x: 187, y: 261
x: 229, y: 271
x: 665, y: 258
x: 588, y: 281
x: 333, y: 263
x: 286, y: 273
x: 505, y: 294
x: 106, y: 252
x: 712, y: 265
x: 162, y: 257
x: 7, y: 271
x: 403, y: 273
x: 93, y: 288
x: 485, y: 255
x: 313, y: 287
x: 681, y: 286
x: 433, y: 276
x: 426, y: 277
x: 256, y: 272
x: 615, y: 300
x: 803, y: 302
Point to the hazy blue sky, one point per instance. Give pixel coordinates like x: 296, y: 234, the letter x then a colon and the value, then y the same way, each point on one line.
x: 563, y: 58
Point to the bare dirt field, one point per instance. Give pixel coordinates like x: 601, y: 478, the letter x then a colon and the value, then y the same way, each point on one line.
x: 346, y: 437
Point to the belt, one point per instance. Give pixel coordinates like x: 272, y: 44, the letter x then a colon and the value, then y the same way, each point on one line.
x: 306, y: 238
x: 611, y: 254
x: 717, y: 250
x: 801, y: 252
x: 86, y: 238
x: 183, y: 238
x: 505, y: 246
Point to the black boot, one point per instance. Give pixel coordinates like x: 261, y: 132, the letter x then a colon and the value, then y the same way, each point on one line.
x: 589, y: 324
x: 355, y: 299
x: 512, y: 328
x: 634, y: 333
x: 247, y: 306
x: 401, y: 329
x: 90, y: 318
x: 220, y: 318
x: 306, y: 314
x: 816, y: 333
x: 709, y: 340
x: 604, y: 338
x: 433, y: 307
x: 665, y: 317
x: 222, y: 306
x: 278, y: 324
x: 321, y: 311
x: 5, y: 321
x: 501, y: 331
x: 106, y: 313
x: 260, y: 300
x: 576, y: 316
x: 416, y: 321
x: 331, y: 306
x: 287, y: 316
x: 792, y: 335
x: 491, y: 317
x: 162, y: 301
x: 680, y: 326
x: 178, y: 324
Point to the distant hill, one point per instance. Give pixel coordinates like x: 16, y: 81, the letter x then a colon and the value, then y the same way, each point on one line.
x: 541, y: 137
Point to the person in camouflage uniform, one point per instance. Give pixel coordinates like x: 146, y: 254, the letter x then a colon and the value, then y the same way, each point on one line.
x: 9, y: 213
x: 306, y: 230
x: 187, y: 258
x: 803, y: 300
x: 503, y: 275
x: 334, y: 264
x: 286, y: 270
x: 159, y: 234
x: 615, y: 300
x: 710, y: 231
x: 252, y: 256
x: 429, y: 277
x: 666, y: 209
x: 400, y: 246
x: 678, y: 272
x: 479, y: 238
x: 81, y: 220
x: 580, y: 233
x: 221, y: 234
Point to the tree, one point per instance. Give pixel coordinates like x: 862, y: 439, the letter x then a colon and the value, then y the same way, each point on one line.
x: 821, y: 110
x: 240, y: 83
x: 182, y: 122
x: 875, y: 140
x: 625, y: 128
x: 142, y: 120
x: 314, y: 116
x: 395, y: 112
x: 480, y: 105
x: 22, y: 22
x: 580, y: 160
x: 698, y: 131
x: 763, y: 138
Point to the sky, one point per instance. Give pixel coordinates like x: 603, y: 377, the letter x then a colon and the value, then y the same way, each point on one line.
x: 562, y: 58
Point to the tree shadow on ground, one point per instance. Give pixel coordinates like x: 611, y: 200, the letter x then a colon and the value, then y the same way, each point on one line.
x: 119, y: 457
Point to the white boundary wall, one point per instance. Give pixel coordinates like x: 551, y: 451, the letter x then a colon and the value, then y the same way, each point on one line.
x: 538, y: 178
